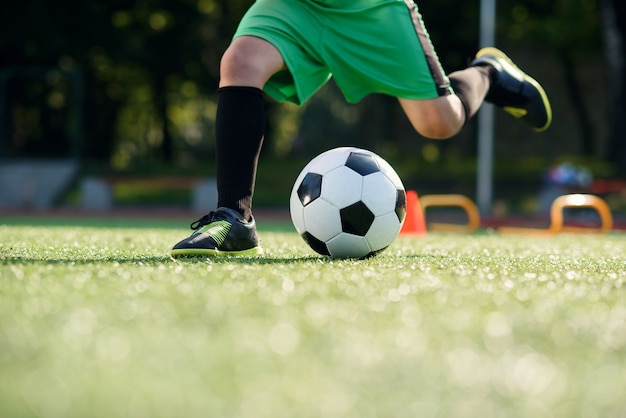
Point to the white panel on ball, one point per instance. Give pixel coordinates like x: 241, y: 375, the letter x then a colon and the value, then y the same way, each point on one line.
x: 379, y: 193
x: 383, y: 231
x: 386, y: 168
x: 347, y: 245
x: 328, y: 160
x: 321, y: 219
x: 342, y: 186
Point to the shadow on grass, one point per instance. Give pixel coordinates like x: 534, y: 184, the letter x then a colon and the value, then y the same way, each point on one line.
x: 155, y: 260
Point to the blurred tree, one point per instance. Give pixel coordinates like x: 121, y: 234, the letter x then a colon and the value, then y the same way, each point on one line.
x: 174, y: 48
x: 151, y: 68
x: 549, y: 25
x: 614, y: 16
x: 137, y: 53
x: 575, y: 29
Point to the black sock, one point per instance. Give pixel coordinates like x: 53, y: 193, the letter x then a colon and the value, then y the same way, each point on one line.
x: 239, y: 129
x: 471, y: 86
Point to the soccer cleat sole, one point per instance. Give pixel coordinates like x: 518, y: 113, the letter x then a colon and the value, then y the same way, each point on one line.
x: 206, y: 252
x: 514, y: 111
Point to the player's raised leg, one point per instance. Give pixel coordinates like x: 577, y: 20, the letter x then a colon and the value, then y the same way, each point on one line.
x: 444, y: 116
x: 492, y: 77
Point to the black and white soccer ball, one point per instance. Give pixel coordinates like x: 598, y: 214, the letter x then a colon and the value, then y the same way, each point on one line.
x: 348, y: 203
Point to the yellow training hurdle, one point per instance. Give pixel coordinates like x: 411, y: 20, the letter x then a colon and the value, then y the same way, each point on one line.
x: 452, y: 200
x: 556, y: 216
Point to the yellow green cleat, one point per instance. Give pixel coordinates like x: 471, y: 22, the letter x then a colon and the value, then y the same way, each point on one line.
x: 515, y: 91
x: 220, y: 233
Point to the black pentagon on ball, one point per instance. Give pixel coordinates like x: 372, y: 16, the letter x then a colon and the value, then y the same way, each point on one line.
x: 310, y: 188
x: 317, y: 245
x: 356, y: 219
x: 401, y: 204
x: 362, y: 163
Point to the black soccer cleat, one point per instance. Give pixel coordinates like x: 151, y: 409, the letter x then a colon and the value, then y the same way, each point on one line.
x: 220, y: 233
x: 515, y: 91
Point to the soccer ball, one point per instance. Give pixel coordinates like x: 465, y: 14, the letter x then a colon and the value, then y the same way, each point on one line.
x: 348, y: 203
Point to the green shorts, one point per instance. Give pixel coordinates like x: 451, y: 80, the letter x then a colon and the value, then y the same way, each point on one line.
x: 367, y: 46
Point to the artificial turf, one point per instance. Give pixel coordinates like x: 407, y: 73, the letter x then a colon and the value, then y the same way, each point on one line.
x: 96, y: 320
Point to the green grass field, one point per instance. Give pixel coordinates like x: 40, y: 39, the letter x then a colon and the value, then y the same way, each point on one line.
x: 97, y: 321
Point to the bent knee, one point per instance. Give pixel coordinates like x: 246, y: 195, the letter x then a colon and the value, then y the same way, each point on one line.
x: 439, y: 118
x: 438, y: 130
x: 437, y: 125
x: 249, y: 61
x: 236, y: 63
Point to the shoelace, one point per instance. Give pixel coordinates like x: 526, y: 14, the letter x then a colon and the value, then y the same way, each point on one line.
x: 205, y: 220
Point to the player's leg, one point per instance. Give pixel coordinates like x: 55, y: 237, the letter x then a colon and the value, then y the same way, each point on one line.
x: 264, y: 45
x: 240, y: 123
x: 460, y: 93
x: 366, y: 58
x: 491, y: 77
x: 240, y: 120
x: 444, y: 116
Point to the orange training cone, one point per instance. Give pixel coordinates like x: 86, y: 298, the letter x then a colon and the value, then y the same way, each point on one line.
x: 414, y: 223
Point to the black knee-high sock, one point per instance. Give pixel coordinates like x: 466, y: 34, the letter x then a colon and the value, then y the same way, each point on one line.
x: 239, y: 130
x: 471, y: 86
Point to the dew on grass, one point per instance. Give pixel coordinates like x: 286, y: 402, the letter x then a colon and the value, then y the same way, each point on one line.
x: 82, y: 321
x: 497, y: 325
x: 610, y: 382
x: 140, y: 287
x: 18, y: 272
x: 457, y: 320
x: 562, y: 334
x: 283, y: 339
x: 497, y: 332
x: 411, y: 315
x: 51, y: 396
x: 508, y: 284
x: 288, y: 285
x: 37, y: 307
x: 128, y: 310
x: 78, y: 331
x: 466, y: 367
x: 394, y: 295
x: 611, y: 329
x: 413, y: 343
x: 524, y: 372
x: 113, y: 345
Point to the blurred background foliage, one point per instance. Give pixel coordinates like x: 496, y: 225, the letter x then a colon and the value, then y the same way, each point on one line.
x: 131, y: 83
